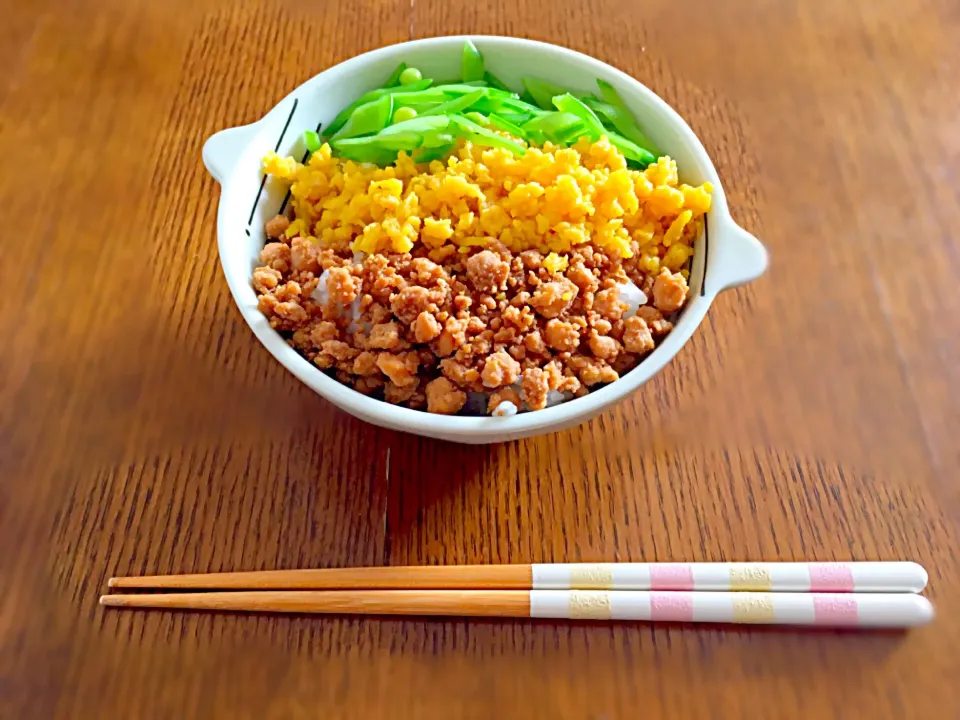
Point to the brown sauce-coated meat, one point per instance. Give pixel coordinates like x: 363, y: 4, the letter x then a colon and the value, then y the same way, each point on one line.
x: 443, y: 397
x: 424, y: 332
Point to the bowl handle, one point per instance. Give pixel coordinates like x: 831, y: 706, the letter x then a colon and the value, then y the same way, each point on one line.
x: 742, y: 258
x: 222, y: 150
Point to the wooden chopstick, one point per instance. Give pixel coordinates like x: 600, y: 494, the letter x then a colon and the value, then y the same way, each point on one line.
x: 504, y: 577
x: 822, y: 609
x: 786, y: 577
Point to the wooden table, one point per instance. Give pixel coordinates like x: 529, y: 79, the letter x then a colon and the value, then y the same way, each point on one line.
x: 143, y: 429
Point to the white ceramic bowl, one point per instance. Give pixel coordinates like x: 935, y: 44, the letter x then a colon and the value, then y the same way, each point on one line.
x: 724, y: 257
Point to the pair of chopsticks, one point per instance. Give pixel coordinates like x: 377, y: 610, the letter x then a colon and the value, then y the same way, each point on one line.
x: 850, y: 594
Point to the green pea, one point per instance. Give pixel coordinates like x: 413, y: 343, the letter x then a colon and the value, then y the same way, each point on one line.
x: 404, y: 113
x: 410, y: 75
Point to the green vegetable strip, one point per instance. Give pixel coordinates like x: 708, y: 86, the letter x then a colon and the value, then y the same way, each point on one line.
x: 518, y: 118
x: 458, y: 104
x: 507, y: 126
x: 429, y: 154
x: 421, y: 125
x: 376, y: 143
x: 478, y: 118
x: 407, y: 135
x: 495, y: 82
x: 394, y: 78
x: 542, y: 91
x: 364, y: 151
x: 572, y: 134
x: 408, y: 141
x: 535, y: 137
x: 438, y: 139
x: 528, y: 99
x: 519, y: 105
x: 552, y: 122
x: 366, y: 119
x: 340, y: 120
x: 312, y: 140
x: 461, y: 88
x: 636, y: 134
x: 472, y: 64
x: 568, y: 103
x: 344, y: 115
x: 420, y: 97
x: 434, y: 117
x: 630, y: 150
x: 609, y: 94
x: 481, y: 136
x: 620, y: 120
x: 559, y: 129
x: 487, y: 105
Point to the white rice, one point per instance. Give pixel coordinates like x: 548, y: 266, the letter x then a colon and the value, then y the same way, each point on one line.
x: 321, y: 294
x: 505, y: 409
x: 633, y: 296
x: 555, y: 397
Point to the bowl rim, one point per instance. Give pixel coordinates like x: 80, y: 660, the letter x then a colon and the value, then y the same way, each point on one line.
x: 421, y: 422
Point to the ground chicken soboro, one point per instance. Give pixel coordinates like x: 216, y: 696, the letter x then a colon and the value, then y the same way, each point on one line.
x: 489, y: 273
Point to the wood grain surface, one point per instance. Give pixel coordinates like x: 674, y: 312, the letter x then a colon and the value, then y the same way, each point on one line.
x: 814, y: 415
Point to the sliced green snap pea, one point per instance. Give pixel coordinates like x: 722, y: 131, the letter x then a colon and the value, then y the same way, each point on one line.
x: 458, y: 104
x: 312, y: 140
x: 518, y: 118
x: 542, y: 91
x: 481, y: 136
x: 572, y: 133
x: 472, y: 63
x: 630, y: 150
x: 554, y: 125
x: 569, y: 104
x: 495, y: 82
x: 429, y: 154
x: 420, y: 125
x: 502, y: 123
x: 367, y: 119
x: 344, y: 115
x: 479, y: 118
x: 365, y: 150
x: 619, y: 119
x: 609, y: 94
x: 412, y: 113
x: 394, y: 78
x: 437, y: 139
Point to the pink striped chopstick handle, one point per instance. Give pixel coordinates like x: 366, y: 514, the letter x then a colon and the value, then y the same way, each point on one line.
x: 777, y: 577
x: 877, y: 610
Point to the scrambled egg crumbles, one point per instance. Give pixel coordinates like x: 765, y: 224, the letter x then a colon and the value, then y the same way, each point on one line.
x: 483, y: 280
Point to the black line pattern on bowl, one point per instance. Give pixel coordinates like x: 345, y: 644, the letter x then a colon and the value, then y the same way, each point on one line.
x: 276, y: 148
x: 706, y: 254
x: 303, y: 161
